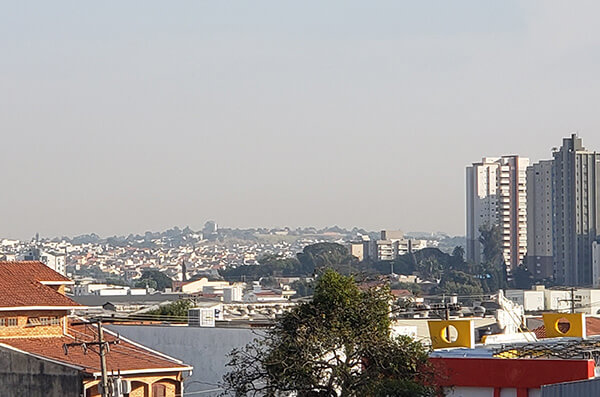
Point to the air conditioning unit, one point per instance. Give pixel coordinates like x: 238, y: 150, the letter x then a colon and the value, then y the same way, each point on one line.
x: 201, y: 317
x: 117, y: 387
x: 126, y: 385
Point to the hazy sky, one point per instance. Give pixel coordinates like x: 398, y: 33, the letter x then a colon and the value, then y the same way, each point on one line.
x: 120, y: 117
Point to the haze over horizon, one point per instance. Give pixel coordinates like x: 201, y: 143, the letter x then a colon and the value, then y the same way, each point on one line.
x: 118, y: 118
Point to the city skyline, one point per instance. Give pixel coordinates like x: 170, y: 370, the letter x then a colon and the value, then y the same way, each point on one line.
x: 119, y: 123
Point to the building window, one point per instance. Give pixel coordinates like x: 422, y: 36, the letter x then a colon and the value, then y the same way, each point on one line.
x: 159, y: 390
x: 9, y: 322
x: 35, y: 321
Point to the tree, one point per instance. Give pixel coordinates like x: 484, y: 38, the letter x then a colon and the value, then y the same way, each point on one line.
x: 160, y: 279
x: 303, y: 287
x: 270, y: 265
x: 320, y: 256
x: 493, y: 272
x: 339, y: 344
x: 173, y: 312
x: 491, y: 240
x: 522, y: 278
x: 414, y: 288
x: 459, y: 283
x: 146, y: 283
x: 459, y: 253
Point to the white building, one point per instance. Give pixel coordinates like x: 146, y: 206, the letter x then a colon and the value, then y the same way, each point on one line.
x: 557, y: 300
x: 359, y: 249
x: 203, y: 283
x: 55, y: 260
x: 531, y: 300
x: 232, y: 294
x: 496, y: 195
x: 393, y: 244
x: 87, y: 289
x: 106, y: 290
x: 265, y: 296
x: 587, y: 300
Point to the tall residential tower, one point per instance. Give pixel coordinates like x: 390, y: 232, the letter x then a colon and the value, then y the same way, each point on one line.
x: 539, y: 260
x: 496, y: 195
x: 576, y: 188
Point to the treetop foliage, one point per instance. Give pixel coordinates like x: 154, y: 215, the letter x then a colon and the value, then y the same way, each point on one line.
x: 339, y: 344
x: 154, y: 279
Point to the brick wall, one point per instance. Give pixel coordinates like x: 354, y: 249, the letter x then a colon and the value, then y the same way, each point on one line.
x: 142, y: 385
x: 25, y: 330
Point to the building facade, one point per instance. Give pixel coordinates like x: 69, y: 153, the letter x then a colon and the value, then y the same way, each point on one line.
x: 539, y: 259
x: 575, y: 186
x: 496, y: 195
x: 35, y: 322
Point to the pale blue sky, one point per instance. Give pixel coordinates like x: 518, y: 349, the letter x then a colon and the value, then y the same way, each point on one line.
x: 120, y: 117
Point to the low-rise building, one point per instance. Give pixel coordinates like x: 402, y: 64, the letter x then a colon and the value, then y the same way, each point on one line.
x: 35, y: 327
x: 531, y: 300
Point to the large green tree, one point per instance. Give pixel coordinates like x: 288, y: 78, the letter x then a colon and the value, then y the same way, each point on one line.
x: 339, y: 344
x: 320, y: 256
x: 154, y: 279
x: 312, y: 260
x: 459, y: 283
x: 493, y: 268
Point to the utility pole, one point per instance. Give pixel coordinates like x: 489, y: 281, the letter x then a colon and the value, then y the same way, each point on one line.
x: 102, y: 360
x: 446, y: 315
x: 572, y: 299
x: 103, y: 347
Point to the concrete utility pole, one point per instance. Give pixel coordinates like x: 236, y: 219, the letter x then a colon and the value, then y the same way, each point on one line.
x: 102, y: 360
x: 572, y: 300
x: 103, y: 347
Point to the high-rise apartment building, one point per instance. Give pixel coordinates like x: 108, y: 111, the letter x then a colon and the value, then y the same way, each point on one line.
x: 576, y: 188
x: 539, y: 260
x: 496, y: 195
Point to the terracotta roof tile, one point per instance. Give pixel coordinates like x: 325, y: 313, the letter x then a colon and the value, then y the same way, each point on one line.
x: 33, y: 270
x: 124, y: 356
x: 20, y: 285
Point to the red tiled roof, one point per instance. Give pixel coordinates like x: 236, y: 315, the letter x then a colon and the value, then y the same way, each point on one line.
x: 20, y: 285
x: 33, y: 270
x: 124, y: 356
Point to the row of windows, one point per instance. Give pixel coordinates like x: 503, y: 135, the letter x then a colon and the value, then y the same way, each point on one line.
x: 31, y: 321
x: 9, y: 322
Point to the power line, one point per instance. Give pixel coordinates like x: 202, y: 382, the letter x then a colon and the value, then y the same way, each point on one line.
x: 103, y: 347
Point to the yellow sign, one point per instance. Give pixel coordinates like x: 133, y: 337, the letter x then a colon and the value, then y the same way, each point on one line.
x: 451, y: 333
x: 571, y: 325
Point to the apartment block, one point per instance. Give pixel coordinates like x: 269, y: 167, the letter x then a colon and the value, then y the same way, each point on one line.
x: 496, y: 195
x: 539, y: 259
x: 576, y: 185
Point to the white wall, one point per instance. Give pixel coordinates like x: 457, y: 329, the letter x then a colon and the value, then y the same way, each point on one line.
x: 530, y: 300
x: 206, y: 349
